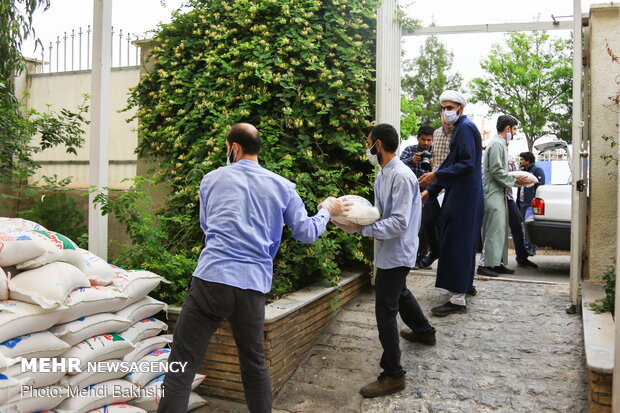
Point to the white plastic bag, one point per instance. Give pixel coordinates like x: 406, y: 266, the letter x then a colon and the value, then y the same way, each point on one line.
x: 47, y: 286
x: 361, y: 212
x: 531, y: 178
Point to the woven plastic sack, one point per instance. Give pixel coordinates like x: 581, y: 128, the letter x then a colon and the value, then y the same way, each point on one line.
x: 17, y: 247
x: 361, y: 212
x: 531, y: 178
x: 39, y: 344
x: 93, y: 325
x: 60, y: 248
x: 99, y: 395
x: 86, y: 301
x: 18, y: 318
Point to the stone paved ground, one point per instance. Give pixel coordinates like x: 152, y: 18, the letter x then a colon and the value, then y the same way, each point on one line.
x: 515, y: 351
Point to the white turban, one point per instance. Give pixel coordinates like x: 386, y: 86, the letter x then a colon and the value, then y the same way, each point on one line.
x: 453, y: 96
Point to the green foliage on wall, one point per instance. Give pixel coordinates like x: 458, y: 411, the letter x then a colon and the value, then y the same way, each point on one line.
x: 301, y: 71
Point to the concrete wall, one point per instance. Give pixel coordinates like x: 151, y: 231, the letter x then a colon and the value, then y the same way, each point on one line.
x: 604, y: 30
x: 66, y: 90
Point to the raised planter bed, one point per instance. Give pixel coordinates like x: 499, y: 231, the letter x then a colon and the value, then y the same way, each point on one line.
x: 598, y: 337
x: 292, y: 324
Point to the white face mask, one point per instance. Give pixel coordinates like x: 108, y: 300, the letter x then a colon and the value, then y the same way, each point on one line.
x: 508, y: 136
x: 451, y: 116
x: 229, y: 156
x: 373, y: 158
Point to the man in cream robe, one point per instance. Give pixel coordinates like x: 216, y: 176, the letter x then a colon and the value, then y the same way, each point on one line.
x: 496, y: 181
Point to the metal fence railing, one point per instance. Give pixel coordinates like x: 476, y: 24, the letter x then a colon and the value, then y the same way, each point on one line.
x: 71, y: 51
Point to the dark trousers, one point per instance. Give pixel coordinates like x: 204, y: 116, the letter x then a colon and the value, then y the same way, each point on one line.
x: 516, y: 229
x: 205, y: 306
x: 391, y: 298
x: 430, y: 225
x: 525, y: 211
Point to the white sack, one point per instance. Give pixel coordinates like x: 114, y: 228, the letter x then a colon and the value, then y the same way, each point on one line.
x: 35, y: 379
x: 136, y: 284
x: 157, y: 360
x: 4, y: 285
x: 531, y: 178
x: 109, y: 370
x: 47, y: 286
x: 152, y: 392
x: 20, y: 224
x: 40, y: 344
x: 143, y: 329
x: 98, y: 271
x: 145, y: 346
x: 17, y: 247
x: 93, y: 325
x: 361, y: 212
x: 83, y: 302
x: 101, y: 394
x: 144, y: 308
x: 34, y: 402
x: 59, y: 249
x: 18, y: 318
x: 102, y: 347
x: 118, y: 408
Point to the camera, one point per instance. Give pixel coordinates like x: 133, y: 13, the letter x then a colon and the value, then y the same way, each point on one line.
x: 425, y: 163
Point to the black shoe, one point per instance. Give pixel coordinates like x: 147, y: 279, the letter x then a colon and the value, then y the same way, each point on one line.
x: 527, y: 264
x: 486, y: 271
x: 448, y: 308
x: 427, y: 338
x: 502, y: 269
x: 472, y: 291
x: 426, y: 262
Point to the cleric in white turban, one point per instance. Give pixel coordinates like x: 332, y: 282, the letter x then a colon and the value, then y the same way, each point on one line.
x: 462, y: 209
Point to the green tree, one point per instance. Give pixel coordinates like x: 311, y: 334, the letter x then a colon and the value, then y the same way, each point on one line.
x: 302, y: 71
x: 19, y: 127
x: 530, y: 78
x: 427, y: 76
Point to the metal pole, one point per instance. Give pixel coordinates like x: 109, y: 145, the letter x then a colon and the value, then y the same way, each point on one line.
x: 615, y: 392
x: 99, y: 126
x: 576, y: 195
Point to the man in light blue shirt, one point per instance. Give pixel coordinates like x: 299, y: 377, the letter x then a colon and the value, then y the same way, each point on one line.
x: 243, y: 209
x: 398, y: 199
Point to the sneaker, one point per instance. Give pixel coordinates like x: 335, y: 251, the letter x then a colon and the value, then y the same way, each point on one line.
x: 448, y: 308
x: 531, y: 251
x: 486, y: 271
x: 383, y: 386
x: 527, y: 264
x: 426, y: 262
x: 502, y: 269
x: 472, y: 291
x: 427, y: 337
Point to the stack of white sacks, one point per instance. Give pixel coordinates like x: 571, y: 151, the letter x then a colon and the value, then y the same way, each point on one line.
x: 64, y: 305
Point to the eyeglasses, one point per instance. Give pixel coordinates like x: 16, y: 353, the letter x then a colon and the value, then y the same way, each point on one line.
x: 449, y: 107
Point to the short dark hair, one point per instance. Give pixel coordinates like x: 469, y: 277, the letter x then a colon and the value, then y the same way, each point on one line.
x: 247, y: 136
x: 528, y: 156
x: 425, y: 130
x: 386, y: 134
x: 506, y: 120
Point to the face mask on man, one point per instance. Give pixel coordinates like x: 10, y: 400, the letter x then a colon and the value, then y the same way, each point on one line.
x: 508, y: 136
x: 372, y: 157
x: 230, y: 157
x: 451, y: 116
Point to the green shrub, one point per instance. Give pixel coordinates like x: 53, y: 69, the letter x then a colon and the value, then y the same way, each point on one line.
x: 301, y: 71
x: 609, y: 301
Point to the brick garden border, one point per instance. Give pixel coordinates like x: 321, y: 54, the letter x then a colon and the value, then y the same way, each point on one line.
x: 292, y: 324
x: 598, y: 338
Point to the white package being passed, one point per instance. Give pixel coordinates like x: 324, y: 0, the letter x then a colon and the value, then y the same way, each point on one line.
x: 531, y: 178
x: 360, y: 212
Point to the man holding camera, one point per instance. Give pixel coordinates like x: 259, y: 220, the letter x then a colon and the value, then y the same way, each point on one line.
x: 419, y: 159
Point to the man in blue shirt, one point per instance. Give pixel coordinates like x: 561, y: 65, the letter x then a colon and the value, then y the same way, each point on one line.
x: 243, y: 208
x: 525, y: 195
x: 398, y: 198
